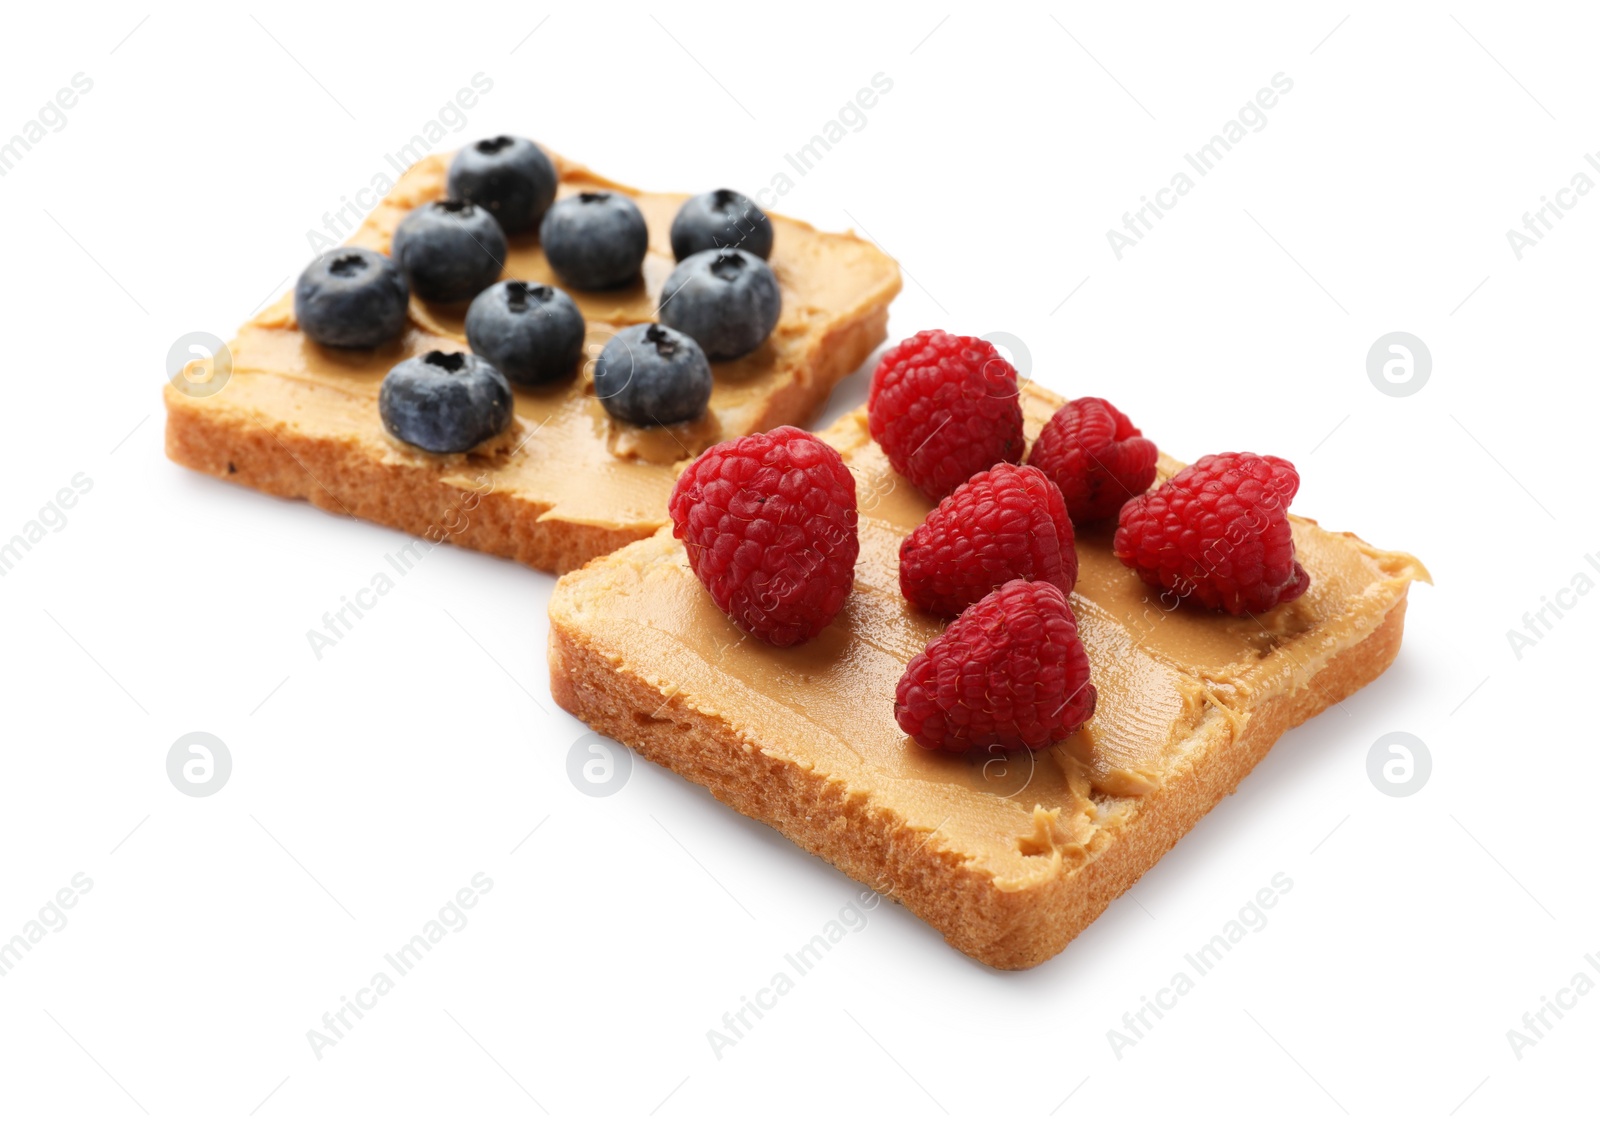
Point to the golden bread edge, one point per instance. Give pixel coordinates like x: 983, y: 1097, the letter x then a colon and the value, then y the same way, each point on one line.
x: 274, y: 457
x: 1007, y: 929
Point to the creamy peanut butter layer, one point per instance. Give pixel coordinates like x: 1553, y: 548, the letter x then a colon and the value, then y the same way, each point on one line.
x: 1172, y: 681
x: 564, y: 454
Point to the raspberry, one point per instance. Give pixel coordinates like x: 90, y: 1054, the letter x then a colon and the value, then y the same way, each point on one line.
x: 1009, y: 674
x: 944, y: 408
x: 1217, y: 533
x: 769, y: 524
x: 1096, y: 456
x: 1000, y: 525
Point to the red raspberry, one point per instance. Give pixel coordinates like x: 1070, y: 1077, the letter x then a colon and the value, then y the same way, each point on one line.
x: 1010, y: 674
x: 1217, y: 533
x: 769, y: 524
x: 944, y: 408
x: 1002, y: 524
x: 1096, y: 456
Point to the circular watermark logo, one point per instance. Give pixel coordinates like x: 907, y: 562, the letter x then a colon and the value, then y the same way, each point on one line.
x: 595, y: 340
x: 1399, y: 364
x: 874, y: 486
x: 199, y: 764
x: 199, y: 364
x: 1004, y: 774
x: 1398, y: 764
x: 598, y: 766
x: 1021, y: 356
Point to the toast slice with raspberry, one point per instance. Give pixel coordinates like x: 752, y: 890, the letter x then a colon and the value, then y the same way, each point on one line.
x: 567, y: 482
x: 1009, y: 857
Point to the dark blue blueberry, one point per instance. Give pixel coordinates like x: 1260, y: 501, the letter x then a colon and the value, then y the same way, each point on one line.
x: 449, y: 249
x: 595, y: 240
x: 445, y: 402
x: 721, y: 219
x: 531, y: 332
x: 649, y: 374
x: 728, y: 301
x: 510, y: 176
x: 351, y: 297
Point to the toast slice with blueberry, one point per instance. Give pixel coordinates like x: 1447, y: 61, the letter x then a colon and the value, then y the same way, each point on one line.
x: 566, y: 481
x: 1009, y: 856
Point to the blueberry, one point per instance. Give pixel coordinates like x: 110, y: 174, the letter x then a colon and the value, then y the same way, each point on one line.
x: 445, y: 402
x: 449, y: 249
x: 722, y: 219
x: 726, y: 300
x: 351, y: 297
x: 649, y: 374
x: 531, y: 332
x: 595, y: 240
x: 510, y: 176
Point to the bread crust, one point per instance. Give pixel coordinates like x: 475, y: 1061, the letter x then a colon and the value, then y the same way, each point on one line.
x: 342, y: 478
x: 1008, y: 929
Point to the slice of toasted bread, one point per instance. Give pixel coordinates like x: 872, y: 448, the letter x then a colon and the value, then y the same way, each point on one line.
x: 1009, y: 857
x: 567, y: 483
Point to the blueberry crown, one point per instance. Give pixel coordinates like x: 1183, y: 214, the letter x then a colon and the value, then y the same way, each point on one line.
x: 666, y: 344
x: 348, y: 265
x: 519, y: 295
x: 728, y: 265
x: 493, y: 145
x: 449, y: 362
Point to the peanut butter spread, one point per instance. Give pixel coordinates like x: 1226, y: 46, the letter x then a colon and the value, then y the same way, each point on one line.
x: 1171, y: 682
x: 563, y: 451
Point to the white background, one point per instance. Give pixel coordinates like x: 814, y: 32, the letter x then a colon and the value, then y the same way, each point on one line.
x: 370, y: 784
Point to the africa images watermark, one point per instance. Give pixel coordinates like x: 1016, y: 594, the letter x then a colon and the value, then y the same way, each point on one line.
x: 1542, y: 220
x: 851, y: 118
x: 1251, y: 919
x: 1251, y: 118
x: 740, y: 1022
x: 51, y: 118
x: 199, y: 764
x: 598, y: 766
x: 50, y: 519
x: 339, y: 622
x: 1539, y: 1023
x: 340, y: 223
x: 51, y: 919
x: 1399, y: 764
x: 451, y: 919
x: 1538, y: 622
